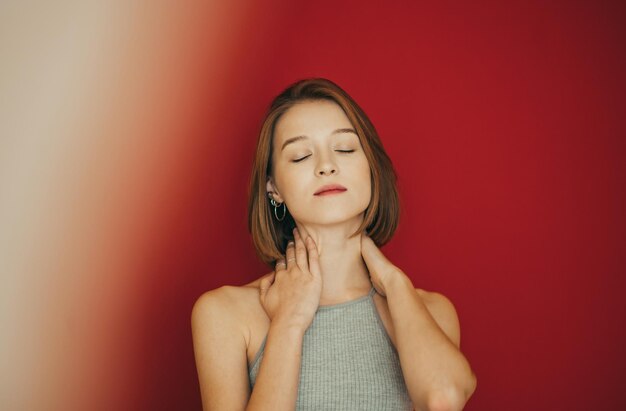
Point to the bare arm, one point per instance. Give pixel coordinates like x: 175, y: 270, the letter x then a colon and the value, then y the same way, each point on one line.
x: 220, y: 352
x: 290, y: 297
x: 437, y: 374
x: 276, y: 386
x: 426, y: 328
x: 221, y: 361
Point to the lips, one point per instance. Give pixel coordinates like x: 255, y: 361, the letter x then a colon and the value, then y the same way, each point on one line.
x: 330, y: 187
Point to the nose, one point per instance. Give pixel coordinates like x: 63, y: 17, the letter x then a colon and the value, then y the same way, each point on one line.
x: 326, y: 167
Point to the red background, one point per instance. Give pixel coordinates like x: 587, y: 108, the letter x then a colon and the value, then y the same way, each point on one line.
x: 505, y: 122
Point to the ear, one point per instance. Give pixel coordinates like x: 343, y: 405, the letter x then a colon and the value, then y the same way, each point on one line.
x: 271, y: 188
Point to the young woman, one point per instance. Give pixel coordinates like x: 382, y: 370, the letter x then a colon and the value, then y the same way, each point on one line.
x: 335, y: 325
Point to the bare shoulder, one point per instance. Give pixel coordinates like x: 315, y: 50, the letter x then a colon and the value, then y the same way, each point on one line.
x: 215, y: 307
x: 229, y: 300
x: 218, y: 299
x: 221, y: 333
x: 443, y: 312
x: 232, y: 303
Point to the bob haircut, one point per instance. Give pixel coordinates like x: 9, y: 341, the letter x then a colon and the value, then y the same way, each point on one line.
x: 270, y: 236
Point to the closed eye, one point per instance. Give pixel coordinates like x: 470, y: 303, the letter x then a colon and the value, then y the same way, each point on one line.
x: 305, y: 157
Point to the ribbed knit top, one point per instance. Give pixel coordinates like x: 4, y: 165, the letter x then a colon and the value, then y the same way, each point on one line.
x: 348, y: 361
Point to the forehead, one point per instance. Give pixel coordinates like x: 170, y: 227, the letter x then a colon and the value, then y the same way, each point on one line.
x: 311, y: 117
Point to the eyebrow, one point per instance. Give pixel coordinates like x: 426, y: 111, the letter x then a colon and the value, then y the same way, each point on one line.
x: 297, y: 138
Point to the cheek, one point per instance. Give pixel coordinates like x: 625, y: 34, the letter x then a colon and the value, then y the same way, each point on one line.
x: 365, y: 172
x: 364, y: 178
x: 368, y: 178
x: 290, y: 184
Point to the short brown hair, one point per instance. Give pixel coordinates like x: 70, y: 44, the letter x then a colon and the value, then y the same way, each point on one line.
x: 269, y: 235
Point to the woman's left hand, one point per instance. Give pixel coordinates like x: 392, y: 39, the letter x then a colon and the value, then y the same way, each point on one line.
x: 380, y: 268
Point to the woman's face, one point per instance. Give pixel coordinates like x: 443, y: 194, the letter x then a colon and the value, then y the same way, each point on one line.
x: 315, y: 145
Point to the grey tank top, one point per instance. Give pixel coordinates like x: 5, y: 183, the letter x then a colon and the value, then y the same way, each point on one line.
x: 348, y: 361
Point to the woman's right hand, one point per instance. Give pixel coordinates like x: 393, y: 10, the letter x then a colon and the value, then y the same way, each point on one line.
x: 291, y: 294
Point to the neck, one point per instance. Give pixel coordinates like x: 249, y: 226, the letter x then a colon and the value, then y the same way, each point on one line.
x: 344, y: 273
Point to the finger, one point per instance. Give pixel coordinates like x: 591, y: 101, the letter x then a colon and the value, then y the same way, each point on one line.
x: 291, y: 255
x: 370, y: 251
x: 301, y: 257
x: 373, y: 256
x: 280, y: 264
x: 264, y: 286
x: 314, y: 264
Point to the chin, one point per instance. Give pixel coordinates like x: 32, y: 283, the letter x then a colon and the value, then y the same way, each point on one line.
x: 331, y: 217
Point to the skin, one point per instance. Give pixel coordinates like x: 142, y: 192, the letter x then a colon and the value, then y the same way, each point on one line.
x: 328, y: 220
x: 322, y: 267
